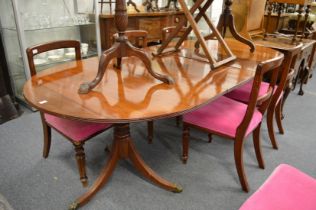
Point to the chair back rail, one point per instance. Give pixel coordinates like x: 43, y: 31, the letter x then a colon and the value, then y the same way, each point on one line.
x: 37, y: 49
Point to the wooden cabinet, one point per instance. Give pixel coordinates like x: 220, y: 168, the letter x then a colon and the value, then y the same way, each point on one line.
x: 153, y: 22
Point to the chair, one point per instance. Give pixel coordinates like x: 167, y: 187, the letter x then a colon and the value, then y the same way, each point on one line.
x: 280, y: 94
x: 235, y: 120
x: 287, y: 188
x: 169, y: 30
x: 77, y: 132
x: 138, y: 37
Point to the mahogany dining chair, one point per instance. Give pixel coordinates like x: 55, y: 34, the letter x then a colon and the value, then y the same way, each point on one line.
x: 77, y: 132
x: 235, y: 120
x: 284, y: 85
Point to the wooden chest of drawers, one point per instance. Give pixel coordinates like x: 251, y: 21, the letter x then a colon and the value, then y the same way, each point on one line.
x: 153, y: 22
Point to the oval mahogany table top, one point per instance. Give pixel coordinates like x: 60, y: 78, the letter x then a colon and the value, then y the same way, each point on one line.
x: 132, y: 94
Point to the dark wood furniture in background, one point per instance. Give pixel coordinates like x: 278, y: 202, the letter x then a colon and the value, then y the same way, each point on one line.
x: 122, y: 101
x: 226, y: 20
x: 276, y: 22
x: 301, y: 4
x: 304, y: 64
x: 77, y: 132
x: 152, y: 22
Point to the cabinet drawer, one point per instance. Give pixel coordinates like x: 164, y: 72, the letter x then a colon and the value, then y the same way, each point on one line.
x: 152, y: 26
x: 178, y: 18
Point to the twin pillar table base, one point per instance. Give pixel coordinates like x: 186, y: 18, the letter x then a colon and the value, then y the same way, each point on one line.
x: 123, y: 148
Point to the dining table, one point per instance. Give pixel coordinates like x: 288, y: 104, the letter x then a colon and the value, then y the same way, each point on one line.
x: 131, y: 94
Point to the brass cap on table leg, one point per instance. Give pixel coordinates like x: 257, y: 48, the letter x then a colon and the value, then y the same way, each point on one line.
x: 177, y: 189
x: 84, y: 88
x: 73, y: 206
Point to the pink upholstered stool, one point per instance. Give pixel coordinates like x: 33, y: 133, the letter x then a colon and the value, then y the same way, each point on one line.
x: 287, y: 188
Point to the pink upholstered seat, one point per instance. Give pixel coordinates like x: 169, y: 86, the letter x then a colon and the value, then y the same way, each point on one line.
x: 287, y: 188
x: 242, y: 93
x: 75, y: 130
x: 223, y: 116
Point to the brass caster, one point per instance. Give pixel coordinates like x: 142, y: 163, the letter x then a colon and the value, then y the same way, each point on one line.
x: 178, y: 189
x: 184, y: 159
x: 84, y: 182
x: 73, y: 206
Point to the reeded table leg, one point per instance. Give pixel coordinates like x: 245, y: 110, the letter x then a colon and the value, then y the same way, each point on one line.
x: 123, y: 148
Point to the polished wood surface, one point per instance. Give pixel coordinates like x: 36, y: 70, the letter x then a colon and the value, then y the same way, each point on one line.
x: 131, y: 94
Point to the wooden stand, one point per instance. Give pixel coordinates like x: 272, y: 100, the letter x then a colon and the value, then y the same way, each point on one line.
x: 123, y: 148
x: 130, y: 2
x: 121, y: 48
x: 227, y: 20
x: 174, y: 3
x: 193, y: 26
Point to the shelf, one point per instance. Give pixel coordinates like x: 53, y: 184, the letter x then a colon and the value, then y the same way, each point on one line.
x: 49, y: 64
x: 58, y: 27
x: 53, y: 27
x: 9, y: 29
